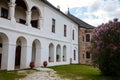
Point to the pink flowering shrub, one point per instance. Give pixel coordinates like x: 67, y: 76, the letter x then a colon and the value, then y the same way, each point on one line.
x: 106, y: 47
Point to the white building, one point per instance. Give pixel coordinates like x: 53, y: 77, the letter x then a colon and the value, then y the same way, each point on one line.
x: 34, y: 30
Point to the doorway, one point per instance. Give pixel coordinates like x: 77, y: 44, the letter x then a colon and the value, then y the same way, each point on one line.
x: 18, y: 57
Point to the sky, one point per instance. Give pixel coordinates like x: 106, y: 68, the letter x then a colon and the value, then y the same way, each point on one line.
x: 94, y: 12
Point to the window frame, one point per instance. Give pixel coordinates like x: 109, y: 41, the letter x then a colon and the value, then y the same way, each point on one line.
x: 74, y: 55
x: 73, y: 34
x: 53, y: 25
x: 65, y: 30
x: 87, y: 37
x: 88, y: 55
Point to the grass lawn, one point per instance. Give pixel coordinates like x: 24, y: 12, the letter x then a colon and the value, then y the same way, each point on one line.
x: 81, y: 72
x: 10, y: 75
x: 15, y: 75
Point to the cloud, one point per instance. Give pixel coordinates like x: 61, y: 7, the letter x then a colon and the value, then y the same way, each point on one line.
x: 94, y: 12
x: 65, y: 4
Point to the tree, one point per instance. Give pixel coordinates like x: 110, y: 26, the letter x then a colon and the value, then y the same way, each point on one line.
x: 106, y: 48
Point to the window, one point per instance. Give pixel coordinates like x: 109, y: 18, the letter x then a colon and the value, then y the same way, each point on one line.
x: 65, y: 30
x: 73, y: 34
x: 53, y: 25
x: 87, y: 55
x: 74, y: 55
x: 87, y: 37
x: 4, y: 13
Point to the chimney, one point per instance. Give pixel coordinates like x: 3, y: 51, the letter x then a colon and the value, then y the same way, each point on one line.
x: 58, y: 7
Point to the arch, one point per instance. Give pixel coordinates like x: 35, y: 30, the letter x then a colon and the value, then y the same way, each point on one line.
x: 64, y: 53
x: 36, y: 52
x: 51, y: 53
x: 35, y: 17
x: 4, y: 8
x: 3, y: 50
x: 20, y: 11
x: 58, y: 53
x: 21, y: 49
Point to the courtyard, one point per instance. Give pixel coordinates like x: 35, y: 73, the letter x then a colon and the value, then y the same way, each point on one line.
x: 64, y: 72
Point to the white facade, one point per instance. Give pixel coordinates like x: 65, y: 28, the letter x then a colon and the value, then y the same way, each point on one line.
x: 36, y: 43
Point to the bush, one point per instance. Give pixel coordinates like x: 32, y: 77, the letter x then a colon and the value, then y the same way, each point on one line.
x: 106, y: 48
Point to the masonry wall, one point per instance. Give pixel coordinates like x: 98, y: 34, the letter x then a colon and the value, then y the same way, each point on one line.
x: 84, y: 46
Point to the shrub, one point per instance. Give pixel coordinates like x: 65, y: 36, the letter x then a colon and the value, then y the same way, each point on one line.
x: 106, y: 48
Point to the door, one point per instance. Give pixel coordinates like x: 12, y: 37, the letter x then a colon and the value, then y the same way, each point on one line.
x: 17, y: 57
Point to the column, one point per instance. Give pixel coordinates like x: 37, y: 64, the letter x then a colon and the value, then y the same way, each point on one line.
x: 55, y: 54
x: 28, y: 55
x: 11, y: 57
x: 4, y: 61
x: 40, y: 23
x: 62, y: 54
x: 38, y: 56
x: 12, y: 11
x: 28, y: 18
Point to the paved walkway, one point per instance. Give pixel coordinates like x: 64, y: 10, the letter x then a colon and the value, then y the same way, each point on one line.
x: 43, y: 74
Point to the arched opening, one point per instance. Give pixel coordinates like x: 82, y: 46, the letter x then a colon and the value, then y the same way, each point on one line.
x: 4, y: 8
x: 64, y: 53
x: 51, y: 53
x: 18, y: 56
x: 36, y: 52
x: 20, y: 11
x: 20, y: 59
x: 3, y: 50
x: 35, y: 18
x: 58, y: 53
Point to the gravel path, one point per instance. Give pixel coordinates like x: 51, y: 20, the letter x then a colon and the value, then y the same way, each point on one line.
x: 43, y: 74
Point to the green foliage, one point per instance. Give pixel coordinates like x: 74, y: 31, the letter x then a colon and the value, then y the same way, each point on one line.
x: 106, y: 48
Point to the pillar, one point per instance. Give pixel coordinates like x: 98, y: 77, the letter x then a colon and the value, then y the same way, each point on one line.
x: 62, y: 54
x: 38, y: 56
x: 4, y: 61
x: 12, y: 11
x: 28, y: 55
x: 11, y: 56
x: 40, y: 23
x: 28, y: 18
x: 54, y: 54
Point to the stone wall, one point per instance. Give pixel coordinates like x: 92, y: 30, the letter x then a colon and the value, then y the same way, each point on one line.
x: 84, y: 46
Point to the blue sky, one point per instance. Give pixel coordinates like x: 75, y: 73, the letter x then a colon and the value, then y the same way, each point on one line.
x: 94, y: 12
